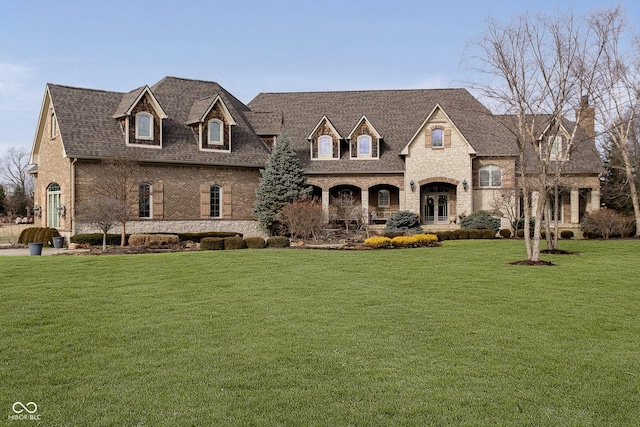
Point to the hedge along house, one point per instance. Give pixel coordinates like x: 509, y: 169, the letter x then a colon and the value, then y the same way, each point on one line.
x: 198, y: 150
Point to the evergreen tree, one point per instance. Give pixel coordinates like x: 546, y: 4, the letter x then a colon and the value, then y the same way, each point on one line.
x: 282, y: 182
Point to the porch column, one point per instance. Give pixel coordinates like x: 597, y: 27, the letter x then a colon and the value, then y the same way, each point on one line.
x: 325, y: 205
x: 595, y: 200
x: 364, y: 201
x: 575, y: 206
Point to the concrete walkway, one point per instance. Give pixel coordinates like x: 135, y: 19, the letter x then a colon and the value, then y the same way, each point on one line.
x: 6, y: 250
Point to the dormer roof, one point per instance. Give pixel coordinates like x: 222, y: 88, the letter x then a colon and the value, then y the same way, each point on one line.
x: 203, y: 106
x: 371, y: 128
x: 131, y: 99
x: 322, y: 121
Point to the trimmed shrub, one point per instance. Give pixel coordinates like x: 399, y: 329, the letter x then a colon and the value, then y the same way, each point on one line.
x: 403, y: 242
x: 152, y: 239
x: 212, y: 244
x: 505, y: 232
x: 197, y: 237
x: 426, y: 239
x: 95, y: 239
x: 235, y: 242
x: 403, y: 222
x: 566, y: 234
x: 378, y: 242
x: 460, y: 234
x: 48, y: 234
x: 255, y: 242
x: 443, y: 235
x: 481, y: 220
x: 278, y: 242
x: 42, y: 235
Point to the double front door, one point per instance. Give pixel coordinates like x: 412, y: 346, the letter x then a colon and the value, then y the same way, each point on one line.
x: 436, y: 208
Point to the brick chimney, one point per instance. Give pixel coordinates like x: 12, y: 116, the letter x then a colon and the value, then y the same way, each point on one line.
x: 587, y: 117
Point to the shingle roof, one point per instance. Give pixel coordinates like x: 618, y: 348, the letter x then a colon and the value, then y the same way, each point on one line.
x: 88, y: 129
x: 396, y: 115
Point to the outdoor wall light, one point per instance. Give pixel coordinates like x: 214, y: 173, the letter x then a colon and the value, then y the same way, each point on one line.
x: 465, y: 185
x: 37, y: 211
x: 412, y: 185
x: 62, y: 211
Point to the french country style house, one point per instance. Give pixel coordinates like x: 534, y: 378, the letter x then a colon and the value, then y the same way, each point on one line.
x: 437, y: 152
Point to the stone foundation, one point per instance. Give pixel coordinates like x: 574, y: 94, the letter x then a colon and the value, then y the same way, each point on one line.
x: 246, y: 228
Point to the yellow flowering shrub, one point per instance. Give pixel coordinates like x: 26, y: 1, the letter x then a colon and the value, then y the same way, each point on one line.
x: 403, y: 242
x: 377, y: 242
x: 426, y: 239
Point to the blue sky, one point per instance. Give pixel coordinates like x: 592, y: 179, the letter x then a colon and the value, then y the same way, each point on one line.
x: 248, y: 46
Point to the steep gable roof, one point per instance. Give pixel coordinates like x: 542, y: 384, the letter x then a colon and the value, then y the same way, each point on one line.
x: 397, y: 115
x: 88, y: 129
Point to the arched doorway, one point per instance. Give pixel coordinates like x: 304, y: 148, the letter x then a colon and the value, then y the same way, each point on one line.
x: 438, y: 203
x: 53, y: 205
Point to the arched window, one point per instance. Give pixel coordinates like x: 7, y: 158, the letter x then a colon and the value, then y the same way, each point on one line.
x: 364, y: 146
x: 54, y: 126
x: 215, y: 201
x: 53, y: 205
x: 144, y: 200
x: 144, y: 126
x: 437, y: 138
x: 490, y: 176
x: 325, y: 146
x: 215, y: 132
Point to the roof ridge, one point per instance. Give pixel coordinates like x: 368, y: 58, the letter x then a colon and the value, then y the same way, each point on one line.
x: 365, y: 91
x: 87, y: 89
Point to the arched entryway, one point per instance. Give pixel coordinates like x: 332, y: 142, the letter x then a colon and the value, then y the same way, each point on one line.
x: 438, y: 203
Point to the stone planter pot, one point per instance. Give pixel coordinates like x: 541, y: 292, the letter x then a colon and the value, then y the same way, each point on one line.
x: 58, y: 242
x: 35, y: 249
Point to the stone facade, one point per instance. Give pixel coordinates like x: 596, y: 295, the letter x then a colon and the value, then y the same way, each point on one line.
x: 449, y: 165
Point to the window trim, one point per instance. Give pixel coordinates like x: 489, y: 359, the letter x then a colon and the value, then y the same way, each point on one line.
x: 441, y: 132
x: 491, y: 170
x: 328, y: 155
x: 53, y: 129
x: 380, y: 198
x: 220, y: 132
x: 211, y: 201
x: 151, y: 125
x: 359, y: 145
x: 149, y: 198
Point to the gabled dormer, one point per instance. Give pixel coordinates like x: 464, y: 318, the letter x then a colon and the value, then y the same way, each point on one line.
x: 436, y: 131
x: 554, y: 142
x: 364, y: 141
x: 211, y: 123
x: 325, y: 141
x: 140, y: 116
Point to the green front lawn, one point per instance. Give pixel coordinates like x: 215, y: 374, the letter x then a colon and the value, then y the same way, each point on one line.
x: 430, y: 336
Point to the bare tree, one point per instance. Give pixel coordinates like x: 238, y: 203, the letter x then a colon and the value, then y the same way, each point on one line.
x: 302, y: 217
x: 14, y: 167
x: 103, y: 214
x: 120, y: 189
x: 619, y: 100
x: 542, y: 68
x: 505, y: 204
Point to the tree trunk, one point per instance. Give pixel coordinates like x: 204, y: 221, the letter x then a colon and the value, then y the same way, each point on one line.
x: 123, y: 236
x: 104, y: 241
x: 632, y: 186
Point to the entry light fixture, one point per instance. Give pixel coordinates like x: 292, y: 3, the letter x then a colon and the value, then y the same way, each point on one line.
x: 37, y: 211
x: 62, y: 211
x: 412, y: 185
x: 465, y: 185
